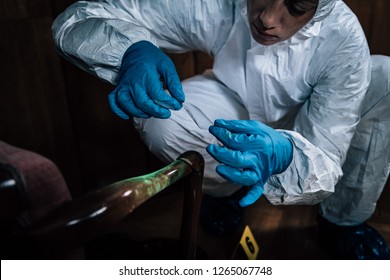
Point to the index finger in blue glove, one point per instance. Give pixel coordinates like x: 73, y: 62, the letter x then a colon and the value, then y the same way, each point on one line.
x: 144, y: 102
x: 230, y: 157
x: 172, y: 81
x: 163, y: 99
x: 159, y: 96
x: 238, y: 175
x: 252, y: 195
x: 242, y: 126
x: 129, y: 108
x: 242, y: 141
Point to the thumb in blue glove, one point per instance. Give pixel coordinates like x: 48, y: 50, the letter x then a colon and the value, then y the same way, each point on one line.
x: 139, y: 91
x: 252, y: 152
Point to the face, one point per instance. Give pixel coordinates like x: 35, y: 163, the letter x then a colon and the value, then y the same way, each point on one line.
x: 273, y: 21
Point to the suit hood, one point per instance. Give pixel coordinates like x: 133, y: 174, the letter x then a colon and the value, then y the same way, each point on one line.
x: 323, y: 10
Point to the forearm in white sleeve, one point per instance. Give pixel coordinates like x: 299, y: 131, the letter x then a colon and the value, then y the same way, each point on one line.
x: 94, y: 36
x: 324, y: 128
x: 310, y: 177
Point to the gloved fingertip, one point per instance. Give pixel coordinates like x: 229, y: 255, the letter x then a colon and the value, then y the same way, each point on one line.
x: 220, y: 169
x: 218, y: 132
x: 219, y: 122
x: 178, y: 106
x: 121, y: 115
x: 160, y: 112
x: 111, y: 95
x: 165, y: 115
x: 181, y: 96
x: 210, y: 149
x: 114, y: 107
x: 248, y: 200
x: 214, y: 130
x: 243, y: 202
x: 252, y: 196
x: 176, y: 91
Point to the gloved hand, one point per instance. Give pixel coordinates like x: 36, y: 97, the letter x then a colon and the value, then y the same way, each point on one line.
x: 252, y: 152
x: 139, y: 91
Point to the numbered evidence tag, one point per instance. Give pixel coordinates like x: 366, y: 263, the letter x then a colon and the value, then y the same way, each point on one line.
x: 247, y: 248
x: 249, y: 244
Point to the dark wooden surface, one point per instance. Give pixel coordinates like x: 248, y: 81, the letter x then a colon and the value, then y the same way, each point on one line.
x: 34, y: 111
x: 82, y: 220
x: 282, y: 232
x: 49, y: 106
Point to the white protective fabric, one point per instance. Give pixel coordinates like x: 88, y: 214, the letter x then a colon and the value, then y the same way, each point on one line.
x: 310, y: 86
x: 367, y: 166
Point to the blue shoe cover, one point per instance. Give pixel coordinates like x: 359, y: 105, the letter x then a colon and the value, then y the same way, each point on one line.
x: 361, y: 242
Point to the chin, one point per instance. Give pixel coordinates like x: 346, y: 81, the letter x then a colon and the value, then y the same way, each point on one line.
x: 265, y: 42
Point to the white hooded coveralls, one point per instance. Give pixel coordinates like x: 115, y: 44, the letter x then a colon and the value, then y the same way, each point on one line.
x: 310, y: 87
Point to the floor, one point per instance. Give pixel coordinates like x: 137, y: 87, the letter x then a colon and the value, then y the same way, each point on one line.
x: 282, y: 232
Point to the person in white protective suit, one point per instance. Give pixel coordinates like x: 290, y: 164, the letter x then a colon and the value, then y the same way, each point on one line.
x: 294, y: 107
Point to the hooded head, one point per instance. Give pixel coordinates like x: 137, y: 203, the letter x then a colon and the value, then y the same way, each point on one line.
x: 273, y: 21
x: 323, y: 9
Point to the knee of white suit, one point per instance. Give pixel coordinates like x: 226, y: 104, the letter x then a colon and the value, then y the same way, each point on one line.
x: 379, y: 86
x: 206, y: 98
x: 169, y: 138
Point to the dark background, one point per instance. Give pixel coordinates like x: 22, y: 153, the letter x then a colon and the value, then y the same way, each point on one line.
x: 49, y: 106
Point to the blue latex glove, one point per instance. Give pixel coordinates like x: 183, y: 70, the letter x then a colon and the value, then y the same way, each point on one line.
x: 252, y: 152
x: 140, y: 90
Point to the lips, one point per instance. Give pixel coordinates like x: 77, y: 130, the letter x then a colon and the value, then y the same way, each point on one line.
x: 264, y: 33
x: 263, y: 36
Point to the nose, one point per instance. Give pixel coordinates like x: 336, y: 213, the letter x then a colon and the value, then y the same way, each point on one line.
x: 271, y: 14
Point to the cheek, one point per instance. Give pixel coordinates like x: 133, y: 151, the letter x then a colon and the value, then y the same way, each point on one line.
x: 289, y: 31
x: 293, y: 25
